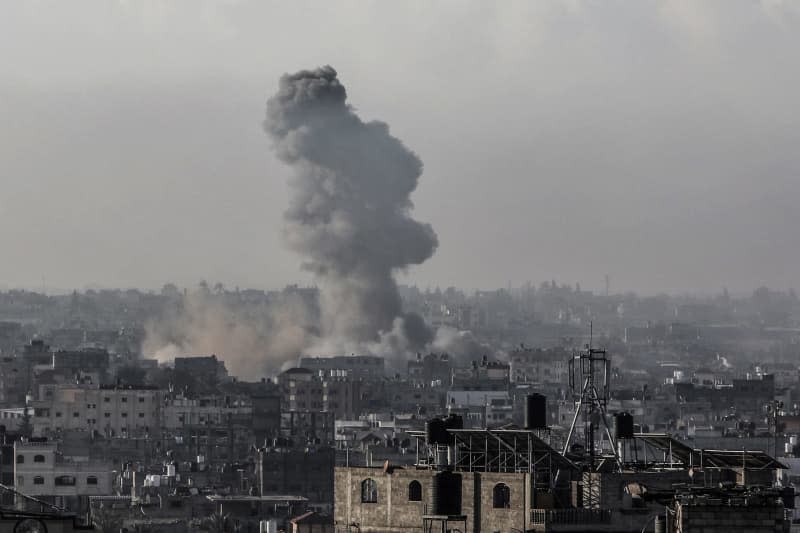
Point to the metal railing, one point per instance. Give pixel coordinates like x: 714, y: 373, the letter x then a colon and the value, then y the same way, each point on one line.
x: 570, y: 516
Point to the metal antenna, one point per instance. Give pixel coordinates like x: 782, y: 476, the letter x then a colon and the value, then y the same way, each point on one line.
x: 593, y: 373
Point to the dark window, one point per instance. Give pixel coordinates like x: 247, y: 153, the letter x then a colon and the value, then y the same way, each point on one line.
x: 107, y: 415
x: 141, y: 399
x: 38, y: 458
x: 415, y: 491
x: 76, y: 414
x: 124, y: 399
x: 369, y: 491
x: 501, y: 496
x: 124, y: 415
x: 141, y: 415
x: 107, y: 399
x: 20, y: 459
x: 91, y: 480
x: 38, y: 480
x: 64, y: 481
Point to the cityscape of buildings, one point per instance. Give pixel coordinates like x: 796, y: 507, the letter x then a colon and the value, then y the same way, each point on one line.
x: 694, y: 411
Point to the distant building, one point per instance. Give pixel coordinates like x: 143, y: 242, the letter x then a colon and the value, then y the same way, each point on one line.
x: 86, y: 360
x: 431, y: 369
x: 202, y: 366
x: 356, y: 366
x: 181, y: 412
x: 14, y: 380
x: 539, y: 366
x: 107, y: 411
x: 305, y: 472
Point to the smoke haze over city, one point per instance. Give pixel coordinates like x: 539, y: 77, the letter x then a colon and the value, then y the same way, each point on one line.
x: 655, y: 142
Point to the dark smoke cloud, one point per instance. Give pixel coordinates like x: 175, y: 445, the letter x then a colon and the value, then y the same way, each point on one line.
x: 349, y: 213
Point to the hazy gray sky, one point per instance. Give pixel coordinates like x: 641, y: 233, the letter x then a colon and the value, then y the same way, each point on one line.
x: 658, y: 142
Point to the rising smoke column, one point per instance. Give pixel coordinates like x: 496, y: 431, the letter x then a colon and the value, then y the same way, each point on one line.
x: 349, y: 213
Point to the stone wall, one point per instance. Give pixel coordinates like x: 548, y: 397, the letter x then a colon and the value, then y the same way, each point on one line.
x: 393, y: 511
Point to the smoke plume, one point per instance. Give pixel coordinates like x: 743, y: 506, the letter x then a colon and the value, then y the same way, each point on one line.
x: 349, y: 212
x: 253, y: 340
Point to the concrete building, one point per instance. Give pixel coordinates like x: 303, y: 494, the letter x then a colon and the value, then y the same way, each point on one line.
x: 105, y: 411
x: 481, y: 408
x: 304, y: 472
x: 431, y: 369
x: 369, y: 367
x: 511, y: 480
x: 539, y: 366
x: 68, y: 362
x: 40, y: 471
x: 180, y: 412
x: 14, y: 380
x: 202, y: 365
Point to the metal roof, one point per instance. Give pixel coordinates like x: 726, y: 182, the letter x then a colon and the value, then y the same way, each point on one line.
x: 693, y: 457
x: 268, y: 498
x: 521, y: 443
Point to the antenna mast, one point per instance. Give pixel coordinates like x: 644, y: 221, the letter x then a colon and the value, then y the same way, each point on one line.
x: 589, y: 374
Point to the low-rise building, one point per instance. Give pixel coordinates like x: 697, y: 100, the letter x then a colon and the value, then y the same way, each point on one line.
x: 42, y: 472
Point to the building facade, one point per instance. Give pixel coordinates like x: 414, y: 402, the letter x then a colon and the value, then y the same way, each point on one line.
x: 107, y: 411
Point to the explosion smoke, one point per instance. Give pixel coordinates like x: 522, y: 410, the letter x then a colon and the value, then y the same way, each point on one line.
x: 349, y: 214
x: 252, y: 340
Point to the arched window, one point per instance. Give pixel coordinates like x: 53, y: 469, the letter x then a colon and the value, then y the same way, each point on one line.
x: 38, y: 459
x: 369, y: 491
x: 38, y: 480
x: 501, y: 496
x: 415, y: 491
x: 20, y: 459
x: 91, y: 480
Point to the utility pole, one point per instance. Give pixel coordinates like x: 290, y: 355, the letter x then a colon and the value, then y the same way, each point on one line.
x: 774, y: 409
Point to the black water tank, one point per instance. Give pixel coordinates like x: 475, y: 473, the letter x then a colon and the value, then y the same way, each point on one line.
x: 446, y: 494
x: 623, y: 426
x: 535, y: 411
x: 453, y: 422
x: 788, y: 495
x: 436, y: 432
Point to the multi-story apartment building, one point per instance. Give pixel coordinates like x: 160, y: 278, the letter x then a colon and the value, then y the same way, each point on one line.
x: 40, y: 471
x: 203, y: 365
x: 75, y: 361
x: 433, y: 368
x: 108, y: 411
x: 181, y: 412
x: 540, y: 366
x: 301, y: 390
x: 481, y: 408
x: 14, y: 380
x: 333, y: 391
